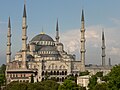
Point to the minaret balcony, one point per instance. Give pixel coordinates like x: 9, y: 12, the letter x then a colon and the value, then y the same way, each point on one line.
x: 8, y: 53
x: 24, y: 27
x: 82, y: 30
x: 8, y: 44
x: 24, y: 37
x: 103, y: 47
x: 103, y: 55
x: 82, y: 40
x: 9, y: 35
x: 82, y: 50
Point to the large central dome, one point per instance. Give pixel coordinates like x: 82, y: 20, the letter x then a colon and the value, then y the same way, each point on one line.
x: 42, y: 37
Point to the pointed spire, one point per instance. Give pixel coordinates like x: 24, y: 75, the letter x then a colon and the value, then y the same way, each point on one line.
x: 57, y: 26
x: 82, y: 18
x: 103, y: 35
x: 24, y: 12
x: 103, y: 49
x: 57, y: 32
x: 109, y: 61
x: 9, y: 25
x: 42, y: 31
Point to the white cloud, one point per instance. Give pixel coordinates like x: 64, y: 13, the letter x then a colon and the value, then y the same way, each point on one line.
x: 71, y: 40
x: 114, y: 51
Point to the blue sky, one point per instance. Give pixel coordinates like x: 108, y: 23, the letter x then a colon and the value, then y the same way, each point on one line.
x: 44, y: 13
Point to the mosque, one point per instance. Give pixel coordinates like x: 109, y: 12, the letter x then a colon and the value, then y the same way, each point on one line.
x: 43, y: 56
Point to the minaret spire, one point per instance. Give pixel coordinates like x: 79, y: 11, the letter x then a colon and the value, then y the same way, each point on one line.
x: 9, y: 42
x: 82, y: 18
x: 109, y: 63
x: 103, y: 49
x: 24, y: 37
x: 24, y: 12
x: 57, y: 32
x: 82, y: 50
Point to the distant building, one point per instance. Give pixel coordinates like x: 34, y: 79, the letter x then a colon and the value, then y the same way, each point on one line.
x: 43, y: 56
x: 83, y: 81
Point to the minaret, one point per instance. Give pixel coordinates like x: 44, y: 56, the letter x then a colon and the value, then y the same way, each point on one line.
x: 24, y: 38
x: 57, y: 32
x: 82, y: 50
x: 9, y: 42
x: 103, y: 49
x: 109, y: 62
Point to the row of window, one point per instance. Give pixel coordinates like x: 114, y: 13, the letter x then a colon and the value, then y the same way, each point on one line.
x: 54, y: 73
x: 57, y: 79
x: 45, y: 43
x: 16, y: 75
x: 47, y: 52
x: 53, y: 66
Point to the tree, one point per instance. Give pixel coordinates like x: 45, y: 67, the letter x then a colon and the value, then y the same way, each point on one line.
x: 73, y: 78
x: 2, y: 69
x: 84, y: 73
x: 114, y: 78
x: 101, y: 86
x: 99, y: 74
x: 92, y: 82
x: 17, y: 86
x: 44, y: 85
x: 50, y: 85
x: 68, y: 85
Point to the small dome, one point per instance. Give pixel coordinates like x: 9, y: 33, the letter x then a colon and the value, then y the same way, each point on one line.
x: 42, y: 37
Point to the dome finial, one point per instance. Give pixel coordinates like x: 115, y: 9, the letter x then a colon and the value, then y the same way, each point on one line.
x: 42, y: 31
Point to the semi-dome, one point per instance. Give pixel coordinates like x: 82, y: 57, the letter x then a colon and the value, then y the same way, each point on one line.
x: 42, y: 37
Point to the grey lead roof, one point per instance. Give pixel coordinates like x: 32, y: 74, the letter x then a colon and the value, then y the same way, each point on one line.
x: 42, y: 37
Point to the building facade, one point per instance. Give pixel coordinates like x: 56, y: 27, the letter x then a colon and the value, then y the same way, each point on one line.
x: 42, y: 57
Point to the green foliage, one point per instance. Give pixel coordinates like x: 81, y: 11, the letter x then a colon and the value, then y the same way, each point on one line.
x: 102, y: 86
x: 50, y: 84
x: 83, y: 73
x: 68, y: 85
x: 2, y: 69
x: 2, y: 79
x: 73, y: 78
x: 105, y: 78
x: 92, y: 82
x: 114, y: 78
x: 45, y: 85
x: 99, y: 74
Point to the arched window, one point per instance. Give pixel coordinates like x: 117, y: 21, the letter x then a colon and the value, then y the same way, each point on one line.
x: 62, y: 79
x: 76, y: 75
x: 42, y: 79
x: 62, y: 72
x: 57, y: 79
x: 65, y: 72
x: 57, y: 72
x: 51, y: 73
x: 43, y: 73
